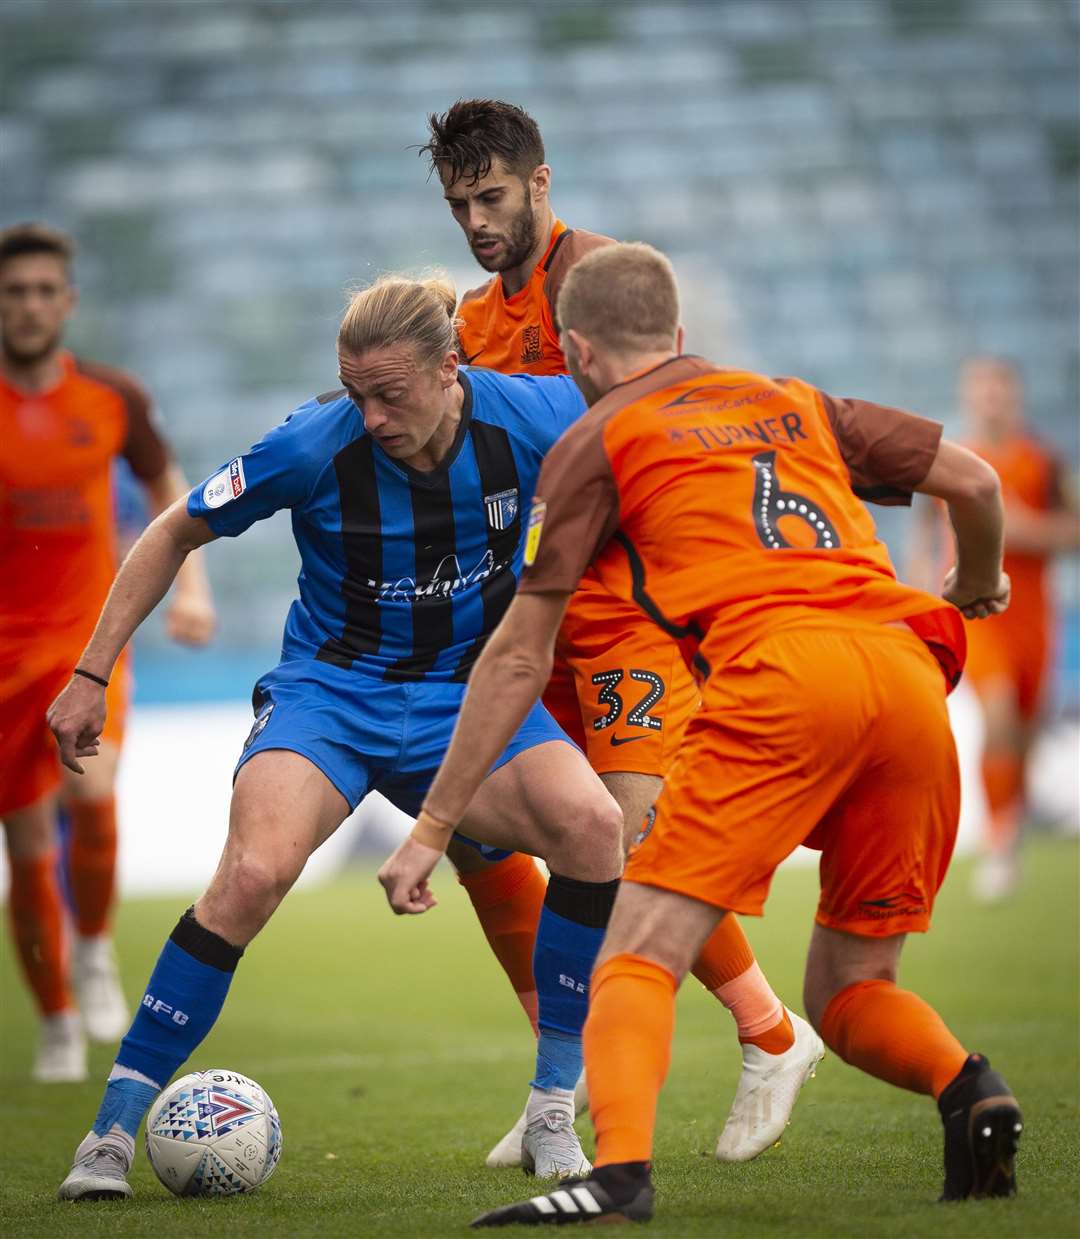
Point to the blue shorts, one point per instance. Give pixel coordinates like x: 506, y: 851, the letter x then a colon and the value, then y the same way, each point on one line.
x: 368, y: 735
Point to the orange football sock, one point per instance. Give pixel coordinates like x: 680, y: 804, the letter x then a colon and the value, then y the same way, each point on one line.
x: 507, y: 897
x: 627, y: 1043
x: 92, y: 863
x: 1003, y: 779
x: 37, y: 920
x: 727, y: 968
x: 893, y: 1034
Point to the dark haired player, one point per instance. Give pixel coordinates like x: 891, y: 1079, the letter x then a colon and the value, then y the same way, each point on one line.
x: 619, y: 686
x: 65, y: 422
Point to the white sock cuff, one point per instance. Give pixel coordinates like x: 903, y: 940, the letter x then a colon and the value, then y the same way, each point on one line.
x: 129, y: 1073
x: 542, y: 1099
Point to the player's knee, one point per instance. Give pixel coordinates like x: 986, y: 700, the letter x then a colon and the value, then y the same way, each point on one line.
x: 254, y: 885
x: 31, y: 833
x: 838, y: 959
x: 591, y: 839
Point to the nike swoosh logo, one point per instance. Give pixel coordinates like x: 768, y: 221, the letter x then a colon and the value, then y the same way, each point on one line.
x: 626, y: 740
x: 469, y: 360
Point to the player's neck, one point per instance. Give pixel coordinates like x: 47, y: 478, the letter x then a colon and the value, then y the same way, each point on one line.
x: 514, y: 279
x: 621, y: 369
x: 33, y: 376
x: 433, y: 453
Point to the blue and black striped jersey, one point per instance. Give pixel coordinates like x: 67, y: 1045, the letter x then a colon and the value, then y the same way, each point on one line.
x: 403, y: 574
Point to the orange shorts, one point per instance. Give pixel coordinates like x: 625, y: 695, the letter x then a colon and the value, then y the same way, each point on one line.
x: 29, y: 758
x: 836, y: 738
x: 1014, y: 648
x: 619, y: 688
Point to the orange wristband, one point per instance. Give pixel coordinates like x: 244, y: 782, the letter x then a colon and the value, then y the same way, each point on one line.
x: 431, y: 831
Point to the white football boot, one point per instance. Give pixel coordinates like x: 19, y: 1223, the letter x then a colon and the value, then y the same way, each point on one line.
x: 768, y: 1089
x: 996, y: 877
x: 100, y: 1168
x: 61, y: 1056
x: 508, y: 1151
x: 96, y: 979
x: 550, y: 1148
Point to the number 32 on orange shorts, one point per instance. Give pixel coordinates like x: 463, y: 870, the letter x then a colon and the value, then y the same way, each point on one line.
x: 620, y: 688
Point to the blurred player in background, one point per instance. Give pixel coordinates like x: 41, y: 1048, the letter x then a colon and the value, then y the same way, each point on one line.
x: 727, y: 506
x: 619, y: 686
x: 1008, y: 655
x: 64, y: 421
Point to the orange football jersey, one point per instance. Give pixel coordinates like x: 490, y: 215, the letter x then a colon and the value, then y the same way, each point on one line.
x: 57, y: 535
x: 727, y: 504
x: 518, y: 334
x: 1029, y: 475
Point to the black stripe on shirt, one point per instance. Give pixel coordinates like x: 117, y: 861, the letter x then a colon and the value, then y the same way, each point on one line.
x: 498, y: 472
x: 556, y: 247
x: 361, y: 537
x: 437, y: 566
x: 648, y: 604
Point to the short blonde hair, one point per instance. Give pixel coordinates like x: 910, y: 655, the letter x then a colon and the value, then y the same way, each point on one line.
x: 399, y: 310
x: 622, y: 296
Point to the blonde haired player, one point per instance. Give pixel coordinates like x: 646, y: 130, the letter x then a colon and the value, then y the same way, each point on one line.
x: 399, y: 486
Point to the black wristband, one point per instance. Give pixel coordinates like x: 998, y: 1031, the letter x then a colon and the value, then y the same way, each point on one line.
x: 89, y: 675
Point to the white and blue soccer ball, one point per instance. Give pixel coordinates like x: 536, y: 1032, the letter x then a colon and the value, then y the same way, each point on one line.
x: 213, y: 1133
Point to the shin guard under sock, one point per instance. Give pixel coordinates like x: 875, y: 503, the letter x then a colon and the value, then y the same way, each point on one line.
x: 572, y: 925
x: 893, y: 1034
x: 182, y: 1001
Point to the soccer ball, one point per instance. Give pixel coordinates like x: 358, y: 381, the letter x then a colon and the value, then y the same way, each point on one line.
x: 213, y: 1133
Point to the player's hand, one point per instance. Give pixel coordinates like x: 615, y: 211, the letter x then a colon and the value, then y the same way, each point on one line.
x: 190, y: 619
x: 977, y: 602
x: 76, y: 719
x: 405, y: 875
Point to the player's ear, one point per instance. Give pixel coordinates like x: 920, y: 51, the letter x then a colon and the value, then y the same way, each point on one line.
x: 448, y: 370
x: 583, y: 350
x: 540, y: 182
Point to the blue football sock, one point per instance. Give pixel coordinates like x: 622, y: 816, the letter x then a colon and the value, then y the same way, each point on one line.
x: 572, y: 925
x: 182, y: 1001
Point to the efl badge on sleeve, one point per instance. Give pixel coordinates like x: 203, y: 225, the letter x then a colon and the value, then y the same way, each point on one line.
x: 532, y: 537
x: 225, y: 486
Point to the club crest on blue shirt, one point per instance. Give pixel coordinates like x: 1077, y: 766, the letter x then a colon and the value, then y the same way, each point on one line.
x: 502, y: 509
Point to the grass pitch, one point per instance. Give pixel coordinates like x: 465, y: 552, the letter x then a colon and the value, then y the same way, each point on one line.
x: 396, y: 1056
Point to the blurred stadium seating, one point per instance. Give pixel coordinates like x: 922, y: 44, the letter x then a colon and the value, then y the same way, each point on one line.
x: 861, y: 192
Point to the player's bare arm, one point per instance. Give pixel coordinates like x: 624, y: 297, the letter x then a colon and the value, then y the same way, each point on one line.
x: 77, y: 716
x: 971, y: 490
x: 190, y: 618
x: 508, y: 678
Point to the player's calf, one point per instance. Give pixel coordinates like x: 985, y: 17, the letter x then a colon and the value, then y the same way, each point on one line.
x: 572, y: 924
x: 183, y: 999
